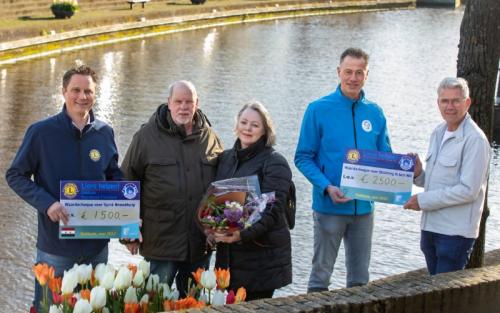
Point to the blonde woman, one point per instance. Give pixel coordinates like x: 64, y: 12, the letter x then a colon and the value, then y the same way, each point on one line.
x: 259, y: 257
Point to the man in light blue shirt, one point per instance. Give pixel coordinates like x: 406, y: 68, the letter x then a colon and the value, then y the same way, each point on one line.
x: 454, y: 181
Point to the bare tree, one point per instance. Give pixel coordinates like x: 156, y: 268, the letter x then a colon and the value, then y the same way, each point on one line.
x: 478, y: 61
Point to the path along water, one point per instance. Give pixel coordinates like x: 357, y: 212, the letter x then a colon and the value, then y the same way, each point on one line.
x: 285, y: 64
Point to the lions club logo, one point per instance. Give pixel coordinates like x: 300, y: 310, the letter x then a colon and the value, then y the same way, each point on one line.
x: 405, y: 163
x: 353, y: 156
x: 70, y: 190
x: 130, y: 191
x: 366, y: 125
x: 95, y: 155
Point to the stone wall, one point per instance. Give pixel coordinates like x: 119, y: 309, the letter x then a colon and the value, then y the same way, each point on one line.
x: 468, y: 291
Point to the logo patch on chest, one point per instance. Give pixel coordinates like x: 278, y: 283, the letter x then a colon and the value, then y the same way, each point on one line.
x: 95, y: 155
x: 366, y: 125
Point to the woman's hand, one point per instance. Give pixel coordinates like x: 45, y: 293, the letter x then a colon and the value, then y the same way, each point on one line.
x: 228, y: 238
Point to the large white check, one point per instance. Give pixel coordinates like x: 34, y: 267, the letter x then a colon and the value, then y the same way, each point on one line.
x: 100, y: 209
x: 377, y: 176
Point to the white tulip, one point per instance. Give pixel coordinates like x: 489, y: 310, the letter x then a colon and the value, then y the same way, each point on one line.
x: 144, y: 299
x: 203, y: 296
x: 98, y: 297
x: 208, y: 280
x: 153, y: 282
x: 108, y: 280
x: 167, y: 292
x: 100, y: 270
x: 138, y: 279
x: 105, y: 310
x: 219, y: 298
x: 82, y: 306
x: 54, y: 309
x: 69, y: 282
x: 144, y: 266
x: 84, y: 273
x: 123, y: 279
x: 130, y: 295
x: 110, y: 268
x: 175, y: 295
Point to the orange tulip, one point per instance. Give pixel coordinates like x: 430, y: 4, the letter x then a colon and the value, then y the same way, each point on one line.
x: 241, y: 295
x: 197, y: 276
x: 168, y: 305
x: 223, y: 277
x: 144, y: 307
x: 43, y: 273
x: 188, y: 303
x: 132, y: 268
x: 85, y: 294
x: 132, y: 308
x: 92, y: 278
x: 55, y: 284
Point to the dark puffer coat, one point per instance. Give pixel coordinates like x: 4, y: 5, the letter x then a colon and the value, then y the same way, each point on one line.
x: 262, y: 260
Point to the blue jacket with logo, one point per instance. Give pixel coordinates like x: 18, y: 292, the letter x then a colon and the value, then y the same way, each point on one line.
x: 53, y: 150
x: 330, y: 126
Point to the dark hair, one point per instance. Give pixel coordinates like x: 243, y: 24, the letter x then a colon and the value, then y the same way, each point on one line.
x: 78, y: 70
x: 355, y: 53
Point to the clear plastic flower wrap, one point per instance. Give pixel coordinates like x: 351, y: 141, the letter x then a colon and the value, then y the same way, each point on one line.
x: 232, y: 204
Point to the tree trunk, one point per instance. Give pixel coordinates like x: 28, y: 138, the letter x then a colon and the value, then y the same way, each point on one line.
x: 478, y: 57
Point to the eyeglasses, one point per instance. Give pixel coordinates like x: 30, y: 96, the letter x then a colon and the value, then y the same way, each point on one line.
x: 454, y: 101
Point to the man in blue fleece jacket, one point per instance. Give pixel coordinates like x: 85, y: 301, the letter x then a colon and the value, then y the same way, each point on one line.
x: 71, y: 145
x: 342, y: 120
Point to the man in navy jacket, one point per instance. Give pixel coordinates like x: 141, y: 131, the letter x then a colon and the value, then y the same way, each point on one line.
x: 71, y: 145
x: 342, y: 120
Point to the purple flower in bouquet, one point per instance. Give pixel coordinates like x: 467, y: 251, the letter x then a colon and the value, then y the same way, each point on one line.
x: 233, y: 211
x: 218, y: 219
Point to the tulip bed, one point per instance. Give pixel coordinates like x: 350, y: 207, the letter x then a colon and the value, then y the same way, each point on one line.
x: 129, y: 289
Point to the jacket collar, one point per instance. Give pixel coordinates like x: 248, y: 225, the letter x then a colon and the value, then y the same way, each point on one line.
x: 346, y: 100
x: 459, y: 134
x: 250, y: 151
x: 163, y: 120
x: 68, y: 122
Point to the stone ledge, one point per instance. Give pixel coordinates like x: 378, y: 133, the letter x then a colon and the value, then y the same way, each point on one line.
x: 467, y: 291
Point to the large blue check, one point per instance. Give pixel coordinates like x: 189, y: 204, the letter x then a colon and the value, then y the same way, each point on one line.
x: 377, y: 176
x: 100, y: 209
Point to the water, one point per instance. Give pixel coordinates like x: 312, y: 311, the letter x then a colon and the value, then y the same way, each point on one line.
x: 285, y: 64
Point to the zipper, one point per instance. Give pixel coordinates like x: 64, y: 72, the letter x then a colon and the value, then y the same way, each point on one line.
x: 355, y: 146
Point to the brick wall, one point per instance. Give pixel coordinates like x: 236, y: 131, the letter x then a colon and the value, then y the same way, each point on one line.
x: 468, y: 291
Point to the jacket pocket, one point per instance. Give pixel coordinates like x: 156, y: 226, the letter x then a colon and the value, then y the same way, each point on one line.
x: 446, y: 170
x: 447, y: 162
x: 163, y: 181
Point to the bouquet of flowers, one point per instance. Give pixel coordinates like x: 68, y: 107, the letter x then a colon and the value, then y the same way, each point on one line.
x: 232, y: 204
x: 129, y: 289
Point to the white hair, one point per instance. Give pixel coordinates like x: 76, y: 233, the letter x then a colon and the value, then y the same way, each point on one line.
x: 454, y: 83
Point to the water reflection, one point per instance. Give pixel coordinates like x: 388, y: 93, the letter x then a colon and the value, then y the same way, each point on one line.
x: 208, y: 43
x: 285, y: 64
